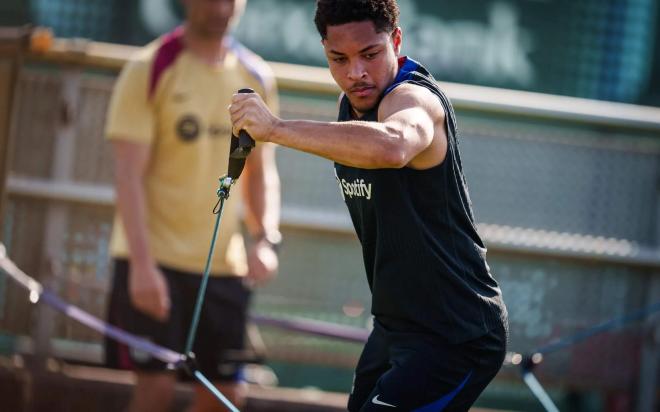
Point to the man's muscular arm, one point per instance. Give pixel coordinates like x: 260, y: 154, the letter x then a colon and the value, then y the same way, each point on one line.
x: 408, y: 125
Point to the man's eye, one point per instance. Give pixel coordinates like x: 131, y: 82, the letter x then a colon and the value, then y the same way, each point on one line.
x: 339, y: 59
x: 370, y: 56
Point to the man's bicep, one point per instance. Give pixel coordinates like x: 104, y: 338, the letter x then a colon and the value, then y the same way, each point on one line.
x: 420, y: 116
x: 412, y: 123
x: 412, y: 109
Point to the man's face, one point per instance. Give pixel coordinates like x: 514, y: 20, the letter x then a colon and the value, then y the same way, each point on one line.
x: 362, y: 61
x: 212, y: 18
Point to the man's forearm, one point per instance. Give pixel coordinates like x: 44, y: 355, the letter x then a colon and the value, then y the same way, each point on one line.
x: 263, y: 206
x: 368, y: 145
x: 262, y: 193
x: 131, y: 203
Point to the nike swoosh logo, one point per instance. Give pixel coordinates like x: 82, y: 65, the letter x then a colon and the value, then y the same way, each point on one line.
x: 375, y: 401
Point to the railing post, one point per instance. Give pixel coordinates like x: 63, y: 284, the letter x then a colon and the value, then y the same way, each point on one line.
x: 650, y: 355
x: 57, y: 217
x: 12, y: 41
x: 649, y: 369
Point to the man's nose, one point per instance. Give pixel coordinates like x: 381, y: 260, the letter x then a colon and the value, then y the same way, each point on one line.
x: 356, y: 71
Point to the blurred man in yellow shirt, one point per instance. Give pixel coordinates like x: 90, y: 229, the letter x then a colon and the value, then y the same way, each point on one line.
x: 170, y: 133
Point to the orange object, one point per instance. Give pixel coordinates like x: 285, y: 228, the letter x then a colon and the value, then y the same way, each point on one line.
x: 41, y: 39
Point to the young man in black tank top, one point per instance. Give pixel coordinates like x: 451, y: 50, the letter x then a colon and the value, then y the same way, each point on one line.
x: 440, y: 325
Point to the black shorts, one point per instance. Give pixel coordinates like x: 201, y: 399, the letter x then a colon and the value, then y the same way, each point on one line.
x: 220, y: 333
x: 420, y: 372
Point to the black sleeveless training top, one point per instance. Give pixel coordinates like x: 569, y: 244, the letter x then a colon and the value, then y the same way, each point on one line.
x: 425, y: 263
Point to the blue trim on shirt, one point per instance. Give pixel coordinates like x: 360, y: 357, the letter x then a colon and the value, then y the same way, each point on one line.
x: 441, y: 403
x: 405, y: 73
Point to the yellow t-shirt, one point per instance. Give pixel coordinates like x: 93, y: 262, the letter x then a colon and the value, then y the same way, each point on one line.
x: 168, y: 98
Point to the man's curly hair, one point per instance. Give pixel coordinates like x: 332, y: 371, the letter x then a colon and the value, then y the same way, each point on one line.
x: 383, y: 13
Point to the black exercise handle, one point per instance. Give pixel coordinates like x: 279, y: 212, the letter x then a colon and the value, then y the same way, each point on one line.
x: 245, y: 141
x: 240, y: 148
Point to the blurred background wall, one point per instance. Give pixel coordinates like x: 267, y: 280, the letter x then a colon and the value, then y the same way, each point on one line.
x: 597, y: 49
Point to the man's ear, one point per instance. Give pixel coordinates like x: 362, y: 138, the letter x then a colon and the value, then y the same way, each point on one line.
x: 397, y: 38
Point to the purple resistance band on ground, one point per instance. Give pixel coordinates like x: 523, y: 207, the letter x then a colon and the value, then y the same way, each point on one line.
x: 38, y: 293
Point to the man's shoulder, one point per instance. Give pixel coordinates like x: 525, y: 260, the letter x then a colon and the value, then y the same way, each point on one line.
x: 144, y: 56
x: 249, y: 59
x: 140, y: 64
x: 154, y: 59
x: 254, y: 64
x: 412, y: 93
